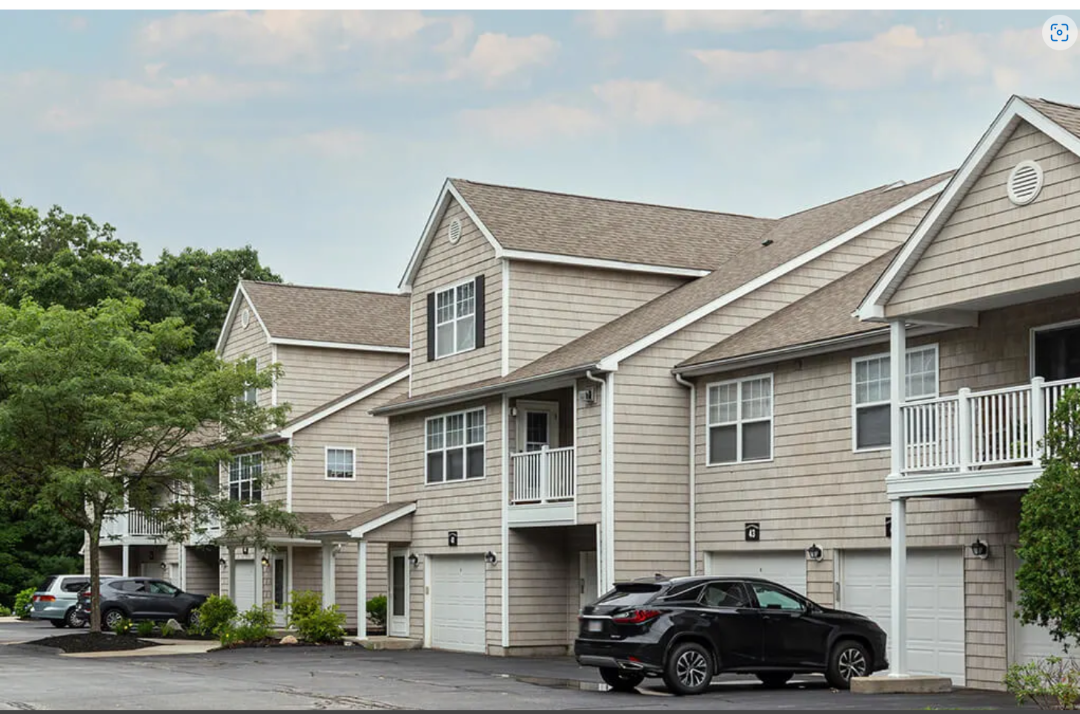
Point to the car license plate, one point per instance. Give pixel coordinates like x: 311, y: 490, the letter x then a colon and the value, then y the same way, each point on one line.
x: 595, y: 626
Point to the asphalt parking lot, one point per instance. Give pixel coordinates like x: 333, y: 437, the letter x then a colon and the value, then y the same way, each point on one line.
x: 352, y: 678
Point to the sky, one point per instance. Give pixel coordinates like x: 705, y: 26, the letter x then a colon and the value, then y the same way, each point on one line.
x: 323, y: 138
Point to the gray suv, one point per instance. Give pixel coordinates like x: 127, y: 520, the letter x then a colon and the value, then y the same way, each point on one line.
x: 57, y: 599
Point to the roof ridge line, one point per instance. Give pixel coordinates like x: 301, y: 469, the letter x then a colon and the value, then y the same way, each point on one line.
x: 322, y: 287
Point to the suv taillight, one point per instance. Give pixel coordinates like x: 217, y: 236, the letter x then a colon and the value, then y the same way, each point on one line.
x: 85, y: 594
x: 44, y: 598
x: 636, y: 617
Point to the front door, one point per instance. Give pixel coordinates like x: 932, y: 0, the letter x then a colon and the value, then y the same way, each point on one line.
x: 281, y: 589
x: 587, y: 567
x: 397, y: 607
x: 538, y: 425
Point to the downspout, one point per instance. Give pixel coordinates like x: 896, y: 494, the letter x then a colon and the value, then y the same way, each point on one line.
x: 606, y: 549
x: 693, y: 470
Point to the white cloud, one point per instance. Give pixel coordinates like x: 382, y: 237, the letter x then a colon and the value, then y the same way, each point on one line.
x: 495, y: 57
x: 166, y: 92
x: 531, y: 122
x: 610, y: 23
x: 895, y: 57
x: 651, y: 103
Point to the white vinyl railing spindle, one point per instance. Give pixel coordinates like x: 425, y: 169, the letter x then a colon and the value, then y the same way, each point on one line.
x: 544, y: 476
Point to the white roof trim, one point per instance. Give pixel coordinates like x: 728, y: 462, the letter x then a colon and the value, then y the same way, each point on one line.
x: 1015, y: 110
x: 561, y: 259
x: 338, y: 406
x: 448, y: 192
x: 230, y: 317
x: 288, y: 341
x: 611, y: 362
x: 361, y: 531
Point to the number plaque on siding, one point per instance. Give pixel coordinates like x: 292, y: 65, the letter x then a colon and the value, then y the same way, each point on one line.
x: 753, y: 531
x: 451, y: 539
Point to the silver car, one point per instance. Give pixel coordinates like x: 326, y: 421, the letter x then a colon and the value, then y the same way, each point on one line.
x: 57, y: 598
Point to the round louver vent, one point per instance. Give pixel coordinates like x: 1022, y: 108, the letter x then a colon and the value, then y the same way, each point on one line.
x: 454, y: 232
x: 1025, y: 182
x: 245, y: 317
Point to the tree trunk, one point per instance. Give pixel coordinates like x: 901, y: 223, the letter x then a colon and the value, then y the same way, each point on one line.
x: 95, y: 574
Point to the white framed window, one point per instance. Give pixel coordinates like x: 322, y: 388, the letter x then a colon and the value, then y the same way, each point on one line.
x: 872, y: 393
x: 340, y: 463
x: 454, y: 447
x: 455, y: 319
x: 245, y: 477
x: 251, y: 393
x: 740, y: 420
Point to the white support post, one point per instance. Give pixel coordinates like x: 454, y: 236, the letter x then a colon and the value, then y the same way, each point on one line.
x: 897, y: 382
x: 327, y: 573
x: 257, y: 586
x: 183, y: 567
x: 361, y: 589
x: 126, y: 560
x: 232, y: 573
x: 963, y: 426
x: 898, y: 590
x: 1038, y: 420
x: 545, y: 475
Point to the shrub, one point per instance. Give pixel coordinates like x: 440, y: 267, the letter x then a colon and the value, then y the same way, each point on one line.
x: 24, y: 602
x: 216, y: 613
x: 1051, y: 683
x: 4, y: 612
x: 122, y: 627
x: 302, y: 605
x: 322, y: 626
x: 167, y: 630
x: 255, y: 625
x: 145, y: 628
x: 376, y: 610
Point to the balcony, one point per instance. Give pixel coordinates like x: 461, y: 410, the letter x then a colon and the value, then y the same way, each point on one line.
x: 133, y: 526
x: 543, y: 484
x: 976, y: 442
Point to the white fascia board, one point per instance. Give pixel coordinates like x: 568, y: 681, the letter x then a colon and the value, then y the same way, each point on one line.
x: 382, y: 520
x: 561, y: 259
x: 873, y: 306
x: 343, y: 404
x: 611, y: 362
x: 231, y: 316
x: 287, y: 341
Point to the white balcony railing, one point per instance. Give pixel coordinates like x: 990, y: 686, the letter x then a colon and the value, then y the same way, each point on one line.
x: 545, y: 476
x: 979, y: 431
x: 132, y: 523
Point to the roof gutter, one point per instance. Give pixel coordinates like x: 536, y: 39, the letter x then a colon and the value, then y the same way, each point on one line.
x: 479, y: 392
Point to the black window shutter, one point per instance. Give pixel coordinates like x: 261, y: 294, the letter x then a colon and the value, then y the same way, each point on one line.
x: 430, y: 326
x: 480, y: 304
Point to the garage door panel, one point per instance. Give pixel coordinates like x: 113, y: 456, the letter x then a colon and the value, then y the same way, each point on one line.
x: 458, y: 603
x: 935, y: 595
x: 786, y: 568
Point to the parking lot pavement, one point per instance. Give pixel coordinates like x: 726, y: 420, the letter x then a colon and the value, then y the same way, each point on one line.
x: 353, y: 678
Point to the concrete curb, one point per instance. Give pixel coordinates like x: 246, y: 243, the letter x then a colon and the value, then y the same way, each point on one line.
x: 186, y: 648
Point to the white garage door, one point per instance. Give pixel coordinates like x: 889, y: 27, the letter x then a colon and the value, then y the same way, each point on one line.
x: 786, y: 568
x: 244, y: 572
x: 457, y: 603
x: 1029, y: 642
x: 935, y: 617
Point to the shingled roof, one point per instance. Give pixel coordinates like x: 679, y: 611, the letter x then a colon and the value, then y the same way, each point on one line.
x: 824, y: 314
x: 353, y: 317
x: 1067, y: 116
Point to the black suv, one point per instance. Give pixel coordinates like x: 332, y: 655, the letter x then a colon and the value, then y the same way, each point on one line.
x: 689, y: 629
x: 142, y: 599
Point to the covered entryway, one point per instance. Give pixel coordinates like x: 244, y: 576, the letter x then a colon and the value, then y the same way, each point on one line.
x: 1027, y: 643
x: 458, y: 613
x: 244, y: 588
x: 785, y: 567
x: 935, y: 603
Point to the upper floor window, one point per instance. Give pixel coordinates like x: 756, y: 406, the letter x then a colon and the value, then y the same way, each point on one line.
x: 740, y: 414
x: 873, y: 393
x: 251, y: 393
x: 245, y: 478
x: 340, y: 463
x: 456, y: 319
x: 455, y: 447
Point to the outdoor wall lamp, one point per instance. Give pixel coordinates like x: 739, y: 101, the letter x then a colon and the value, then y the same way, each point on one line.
x: 414, y: 560
x: 265, y: 562
x: 164, y: 567
x: 815, y: 553
x: 245, y: 550
x: 980, y: 549
x: 490, y: 558
x: 222, y: 562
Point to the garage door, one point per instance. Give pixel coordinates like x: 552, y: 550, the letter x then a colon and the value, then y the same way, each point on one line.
x: 935, y: 617
x: 787, y: 568
x: 1029, y: 642
x: 457, y: 603
x: 244, y: 572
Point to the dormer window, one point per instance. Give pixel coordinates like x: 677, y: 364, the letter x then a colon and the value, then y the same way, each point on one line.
x: 456, y: 319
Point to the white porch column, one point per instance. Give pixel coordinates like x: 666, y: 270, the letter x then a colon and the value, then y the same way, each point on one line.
x: 897, y: 382
x: 361, y: 589
x: 127, y: 560
x: 258, y: 584
x: 231, y: 566
x: 898, y: 583
x: 183, y: 567
x: 327, y: 573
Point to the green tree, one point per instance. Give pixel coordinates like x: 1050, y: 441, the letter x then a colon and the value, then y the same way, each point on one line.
x: 1049, y: 575
x: 101, y: 410
x: 34, y: 543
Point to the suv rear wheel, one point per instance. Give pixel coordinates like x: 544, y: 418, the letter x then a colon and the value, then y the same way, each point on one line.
x: 619, y: 680
x: 688, y: 669
x: 73, y: 618
x: 111, y: 618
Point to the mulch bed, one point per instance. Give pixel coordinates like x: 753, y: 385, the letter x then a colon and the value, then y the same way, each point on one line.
x: 92, y: 642
x: 273, y: 642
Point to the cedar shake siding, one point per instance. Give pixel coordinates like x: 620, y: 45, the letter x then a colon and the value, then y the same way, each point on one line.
x: 989, y: 246
x: 249, y: 342
x: 313, y: 376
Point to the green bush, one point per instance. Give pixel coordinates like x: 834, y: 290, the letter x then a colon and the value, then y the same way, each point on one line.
x: 1051, y: 683
x: 4, y: 612
x: 145, y: 628
x: 255, y: 625
x: 216, y: 613
x: 322, y: 626
x: 376, y: 610
x: 167, y: 630
x: 24, y: 602
x: 302, y: 605
x: 123, y: 627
